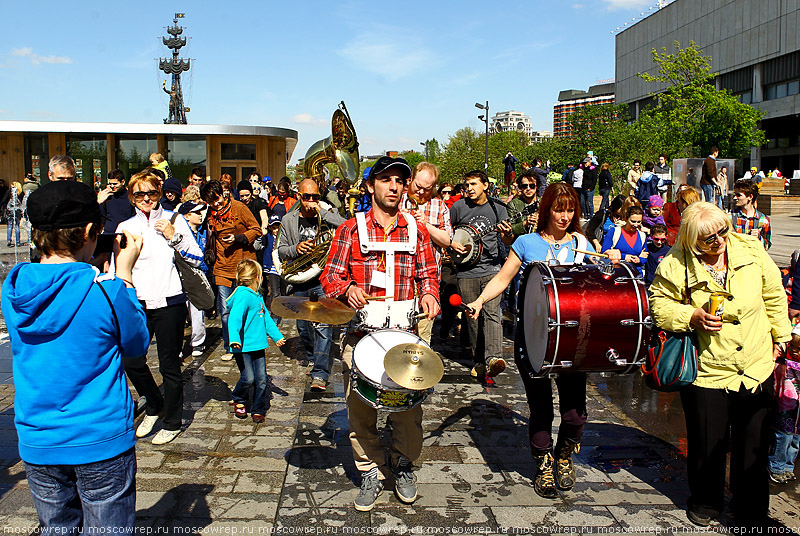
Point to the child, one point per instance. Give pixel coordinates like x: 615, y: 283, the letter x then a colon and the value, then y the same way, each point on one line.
x: 276, y: 285
x: 787, y: 436
x: 248, y: 328
x: 657, y: 248
x: 195, y: 214
x: 653, y: 213
x: 157, y: 161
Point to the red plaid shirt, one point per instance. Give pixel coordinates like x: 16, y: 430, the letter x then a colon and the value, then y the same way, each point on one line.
x: 347, y: 264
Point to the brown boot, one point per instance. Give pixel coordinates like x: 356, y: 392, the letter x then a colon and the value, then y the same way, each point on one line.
x: 565, y: 470
x: 544, y: 483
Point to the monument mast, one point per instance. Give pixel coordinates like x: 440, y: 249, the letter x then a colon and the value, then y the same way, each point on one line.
x: 175, y: 66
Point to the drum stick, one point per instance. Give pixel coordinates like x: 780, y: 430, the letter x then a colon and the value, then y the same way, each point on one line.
x: 591, y: 253
x: 372, y: 298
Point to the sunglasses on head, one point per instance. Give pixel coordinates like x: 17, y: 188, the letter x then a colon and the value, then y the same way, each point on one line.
x: 310, y: 197
x: 713, y: 238
x: 152, y: 194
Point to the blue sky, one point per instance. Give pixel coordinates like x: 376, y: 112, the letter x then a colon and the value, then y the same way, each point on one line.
x: 408, y: 71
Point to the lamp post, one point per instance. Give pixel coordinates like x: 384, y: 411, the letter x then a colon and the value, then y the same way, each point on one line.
x: 425, y: 144
x: 485, y: 119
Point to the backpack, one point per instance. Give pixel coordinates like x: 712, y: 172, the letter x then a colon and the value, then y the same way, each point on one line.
x: 646, y: 189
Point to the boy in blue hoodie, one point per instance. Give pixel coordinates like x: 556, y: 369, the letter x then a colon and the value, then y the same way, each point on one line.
x: 70, y: 327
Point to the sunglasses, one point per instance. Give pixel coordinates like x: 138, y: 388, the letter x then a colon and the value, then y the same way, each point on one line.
x: 659, y: 240
x: 526, y: 185
x: 713, y: 238
x: 447, y: 191
x: 152, y: 194
x: 310, y: 197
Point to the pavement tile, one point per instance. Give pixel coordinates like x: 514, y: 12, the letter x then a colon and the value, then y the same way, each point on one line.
x: 478, y: 495
x: 420, y: 519
x: 336, y: 518
x: 516, y: 519
x: 247, y: 463
x: 609, y: 493
x: 455, y: 473
x: 190, y: 479
x: 259, y: 482
x: 665, y: 517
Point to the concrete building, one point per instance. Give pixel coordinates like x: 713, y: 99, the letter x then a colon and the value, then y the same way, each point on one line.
x: 754, y: 46
x: 511, y: 120
x: 571, y: 100
x: 27, y: 146
x: 540, y: 135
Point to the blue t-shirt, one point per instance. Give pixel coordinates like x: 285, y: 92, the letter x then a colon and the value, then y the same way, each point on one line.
x: 532, y: 247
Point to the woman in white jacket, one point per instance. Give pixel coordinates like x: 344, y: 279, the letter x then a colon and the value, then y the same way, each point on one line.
x: 159, y: 289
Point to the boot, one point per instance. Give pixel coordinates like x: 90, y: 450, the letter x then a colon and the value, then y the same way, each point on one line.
x: 565, y: 470
x: 544, y: 484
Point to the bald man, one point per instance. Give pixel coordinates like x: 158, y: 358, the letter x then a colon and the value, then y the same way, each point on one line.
x: 296, y: 237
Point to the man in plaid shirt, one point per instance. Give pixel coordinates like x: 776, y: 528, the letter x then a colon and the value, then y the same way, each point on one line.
x: 746, y: 219
x: 353, y: 276
x: 433, y: 214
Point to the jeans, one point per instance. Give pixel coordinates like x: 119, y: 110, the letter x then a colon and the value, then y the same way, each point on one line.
x: 708, y: 192
x: 786, y: 448
x: 277, y: 287
x: 252, y: 374
x: 13, y: 224
x: 223, y: 293
x: 587, y: 203
x: 604, y: 201
x: 91, y: 495
x: 488, y: 323
x: 316, y: 337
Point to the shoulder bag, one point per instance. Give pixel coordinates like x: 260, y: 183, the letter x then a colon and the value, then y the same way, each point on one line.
x: 195, y: 283
x: 671, y: 361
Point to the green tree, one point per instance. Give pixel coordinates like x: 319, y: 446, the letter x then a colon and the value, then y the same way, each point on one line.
x: 691, y: 115
x: 463, y: 152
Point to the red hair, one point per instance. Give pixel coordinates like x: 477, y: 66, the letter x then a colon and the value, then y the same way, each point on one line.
x: 559, y: 196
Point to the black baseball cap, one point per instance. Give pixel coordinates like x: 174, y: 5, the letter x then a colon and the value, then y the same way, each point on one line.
x: 191, y: 206
x: 63, y: 205
x: 386, y: 162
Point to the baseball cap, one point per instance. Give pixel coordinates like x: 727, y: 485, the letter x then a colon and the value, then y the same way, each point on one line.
x: 63, y: 205
x: 386, y: 162
x: 274, y: 220
x: 191, y: 206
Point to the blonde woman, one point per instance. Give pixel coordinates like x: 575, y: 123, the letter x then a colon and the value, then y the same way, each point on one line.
x: 729, y: 401
x: 13, y: 203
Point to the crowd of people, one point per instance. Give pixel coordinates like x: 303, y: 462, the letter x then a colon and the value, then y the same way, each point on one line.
x: 401, y: 238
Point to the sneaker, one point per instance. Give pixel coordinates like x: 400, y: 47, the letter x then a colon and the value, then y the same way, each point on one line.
x: 146, y: 426
x: 165, y: 436
x: 702, y: 520
x: 371, y: 487
x: 496, y: 366
x: 478, y: 371
x: 778, y: 478
x: 240, y: 411
x: 197, y: 351
x: 226, y: 357
x: 258, y: 418
x: 545, y: 484
x: 789, y: 476
x: 318, y: 385
x: 565, y: 470
x: 405, y: 483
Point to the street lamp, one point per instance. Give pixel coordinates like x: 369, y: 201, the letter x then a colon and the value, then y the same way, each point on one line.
x: 425, y: 144
x: 485, y: 119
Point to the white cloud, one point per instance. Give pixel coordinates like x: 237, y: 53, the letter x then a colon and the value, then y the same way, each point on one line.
x: 307, y: 119
x: 387, y: 52
x: 614, y: 5
x: 36, y: 59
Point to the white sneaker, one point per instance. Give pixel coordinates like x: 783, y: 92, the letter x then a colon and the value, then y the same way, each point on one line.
x: 165, y: 436
x: 146, y: 426
x: 227, y: 357
x: 197, y: 351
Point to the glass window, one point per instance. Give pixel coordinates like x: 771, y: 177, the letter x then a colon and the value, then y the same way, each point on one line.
x: 794, y: 87
x: 36, y: 155
x: 238, y: 151
x: 780, y: 91
x: 133, y: 154
x: 185, y: 153
x: 89, y: 153
x: 769, y: 93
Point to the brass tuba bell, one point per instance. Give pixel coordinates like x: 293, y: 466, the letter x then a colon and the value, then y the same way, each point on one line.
x: 341, y: 148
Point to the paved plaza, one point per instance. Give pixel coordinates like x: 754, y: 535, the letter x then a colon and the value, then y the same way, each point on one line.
x: 295, y: 472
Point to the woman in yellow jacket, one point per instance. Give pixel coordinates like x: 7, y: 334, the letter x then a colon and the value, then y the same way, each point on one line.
x: 734, y: 391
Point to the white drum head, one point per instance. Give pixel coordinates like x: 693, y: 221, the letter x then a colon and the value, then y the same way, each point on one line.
x: 534, y: 318
x: 369, y: 353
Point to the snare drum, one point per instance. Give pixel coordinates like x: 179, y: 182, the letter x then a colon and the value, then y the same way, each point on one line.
x: 368, y: 374
x: 576, y: 318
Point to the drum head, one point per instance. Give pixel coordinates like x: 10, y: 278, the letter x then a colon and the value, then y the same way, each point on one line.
x: 369, y: 353
x: 534, y: 316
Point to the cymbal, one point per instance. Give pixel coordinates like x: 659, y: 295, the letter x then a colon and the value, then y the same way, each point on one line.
x: 413, y: 366
x: 322, y: 310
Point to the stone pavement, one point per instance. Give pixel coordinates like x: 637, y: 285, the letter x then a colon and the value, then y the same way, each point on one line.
x: 295, y: 473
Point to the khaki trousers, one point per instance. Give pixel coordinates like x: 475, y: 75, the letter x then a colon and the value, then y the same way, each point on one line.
x: 367, y: 449
x: 425, y: 329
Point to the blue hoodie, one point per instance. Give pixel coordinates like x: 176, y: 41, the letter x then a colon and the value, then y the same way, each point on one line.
x: 249, y: 322
x: 72, y: 403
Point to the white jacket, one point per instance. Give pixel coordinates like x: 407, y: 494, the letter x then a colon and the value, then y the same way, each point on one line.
x: 154, y: 275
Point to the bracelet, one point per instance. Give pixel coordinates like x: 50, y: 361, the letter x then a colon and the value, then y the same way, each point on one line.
x: 481, y: 297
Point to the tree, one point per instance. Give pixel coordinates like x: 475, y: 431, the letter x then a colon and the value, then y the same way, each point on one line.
x: 691, y: 115
x: 463, y: 153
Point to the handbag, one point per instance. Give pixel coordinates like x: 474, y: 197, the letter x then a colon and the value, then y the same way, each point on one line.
x: 210, y: 254
x: 671, y: 360
x: 194, y: 281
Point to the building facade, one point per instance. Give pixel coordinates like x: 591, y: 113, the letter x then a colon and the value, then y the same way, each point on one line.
x: 571, y: 100
x: 755, y: 49
x: 511, y: 120
x: 27, y: 146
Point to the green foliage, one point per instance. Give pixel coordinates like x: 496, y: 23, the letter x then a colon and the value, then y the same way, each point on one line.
x: 464, y: 152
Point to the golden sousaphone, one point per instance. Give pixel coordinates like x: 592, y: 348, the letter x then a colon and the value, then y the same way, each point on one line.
x: 341, y: 148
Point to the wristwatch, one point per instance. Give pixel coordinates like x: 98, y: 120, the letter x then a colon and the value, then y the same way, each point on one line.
x: 176, y: 239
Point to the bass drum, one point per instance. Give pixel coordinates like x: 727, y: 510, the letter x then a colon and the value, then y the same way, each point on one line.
x: 576, y: 318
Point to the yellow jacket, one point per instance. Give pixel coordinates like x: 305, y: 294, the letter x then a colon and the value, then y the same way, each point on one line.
x: 756, y: 312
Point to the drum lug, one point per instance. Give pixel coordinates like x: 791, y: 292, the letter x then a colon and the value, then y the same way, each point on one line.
x: 647, y: 322
x: 565, y: 280
x: 613, y: 356
x: 552, y: 324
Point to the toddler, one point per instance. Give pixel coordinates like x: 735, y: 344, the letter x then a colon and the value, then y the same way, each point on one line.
x: 249, y: 324
x: 787, y: 436
x: 653, y: 214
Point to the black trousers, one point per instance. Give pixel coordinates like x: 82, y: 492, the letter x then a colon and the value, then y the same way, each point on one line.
x: 167, y: 325
x: 715, y: 419
x: 571, y: 403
